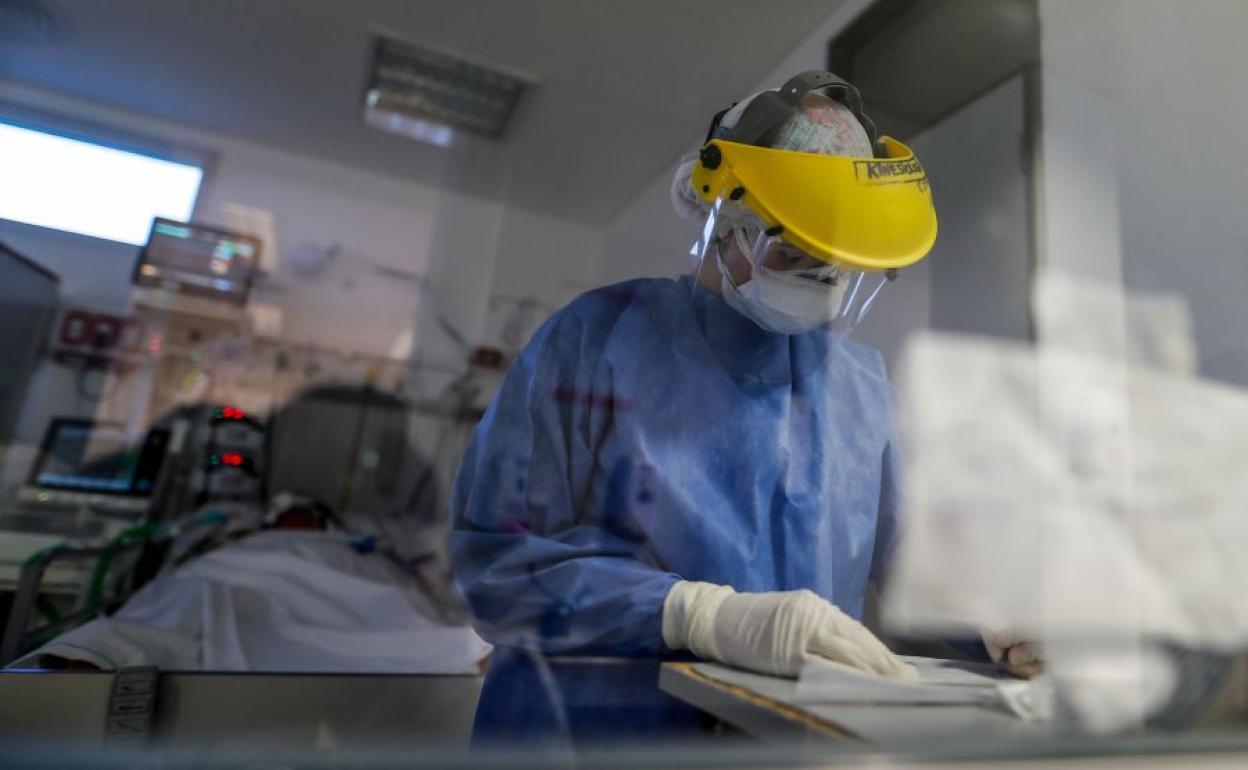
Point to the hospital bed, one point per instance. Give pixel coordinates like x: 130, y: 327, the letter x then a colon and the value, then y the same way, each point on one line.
x: 344, y: 570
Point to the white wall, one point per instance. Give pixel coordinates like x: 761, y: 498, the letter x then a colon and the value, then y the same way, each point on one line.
x: 980, y: 266
x: 373, y: 218
x: 452, y: 239
x: 1078, y: 204
x: 1143, y: 118
x: 541, y: 257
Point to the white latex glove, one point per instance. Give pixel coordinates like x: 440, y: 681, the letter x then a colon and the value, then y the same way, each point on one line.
x: 1020, y: 657
x: 774, y: 633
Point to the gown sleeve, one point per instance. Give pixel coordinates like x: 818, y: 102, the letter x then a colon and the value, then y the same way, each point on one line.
x: 542, y: 562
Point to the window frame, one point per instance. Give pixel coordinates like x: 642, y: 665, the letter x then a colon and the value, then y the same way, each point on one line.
x: 114, y: 138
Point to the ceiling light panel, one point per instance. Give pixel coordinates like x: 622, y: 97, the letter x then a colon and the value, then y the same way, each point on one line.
x: 427, y: 95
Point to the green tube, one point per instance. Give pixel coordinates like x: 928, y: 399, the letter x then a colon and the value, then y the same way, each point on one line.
x: 138, y: 533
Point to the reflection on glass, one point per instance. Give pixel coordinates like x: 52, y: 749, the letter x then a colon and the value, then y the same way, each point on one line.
x: 488, y: 458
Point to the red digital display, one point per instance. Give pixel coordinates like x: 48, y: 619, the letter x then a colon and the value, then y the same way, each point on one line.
x: 231, y: 413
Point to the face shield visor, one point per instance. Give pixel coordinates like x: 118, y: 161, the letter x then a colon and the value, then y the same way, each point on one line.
x: 778, y: 286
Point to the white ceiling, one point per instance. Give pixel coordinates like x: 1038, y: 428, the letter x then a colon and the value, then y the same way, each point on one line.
x: 624, y: 85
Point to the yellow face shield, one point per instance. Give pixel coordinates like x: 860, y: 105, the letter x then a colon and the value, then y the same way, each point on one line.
x: 860, y: 213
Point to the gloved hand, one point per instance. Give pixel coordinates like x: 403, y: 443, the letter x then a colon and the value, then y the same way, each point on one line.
x: 1020, y: 657
x: 774, y: 633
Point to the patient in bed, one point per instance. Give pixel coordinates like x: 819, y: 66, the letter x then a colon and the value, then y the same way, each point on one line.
x: 346, y: 571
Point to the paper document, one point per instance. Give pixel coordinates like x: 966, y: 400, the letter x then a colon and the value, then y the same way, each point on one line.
x: 944, y: 682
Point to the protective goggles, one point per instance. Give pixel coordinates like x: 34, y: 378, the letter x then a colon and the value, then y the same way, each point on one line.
x: 796, y: 291
x: 861, y: 213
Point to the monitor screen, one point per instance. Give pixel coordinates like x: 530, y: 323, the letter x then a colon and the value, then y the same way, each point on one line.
x: 86, y: 456
x: 195, y: 259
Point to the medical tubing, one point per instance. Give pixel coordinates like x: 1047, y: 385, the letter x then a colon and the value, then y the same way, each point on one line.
x: 45, y: 609
x: 100, y: 570
x: 126, y: 537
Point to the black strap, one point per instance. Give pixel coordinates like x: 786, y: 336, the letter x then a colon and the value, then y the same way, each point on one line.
x: 770, y: 109
x: 800, y: 84
x: 710, y: 132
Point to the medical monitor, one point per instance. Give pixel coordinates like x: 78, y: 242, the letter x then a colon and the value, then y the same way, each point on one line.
x: 195, y: 259
x: 81, y: 455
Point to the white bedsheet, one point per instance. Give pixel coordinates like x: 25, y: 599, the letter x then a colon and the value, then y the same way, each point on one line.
x: 276, y: 601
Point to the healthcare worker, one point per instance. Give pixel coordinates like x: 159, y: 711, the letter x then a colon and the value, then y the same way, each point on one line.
x: 706, y: 464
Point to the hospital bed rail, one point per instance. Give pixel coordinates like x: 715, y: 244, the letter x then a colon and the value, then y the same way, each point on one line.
x: 20, y: 638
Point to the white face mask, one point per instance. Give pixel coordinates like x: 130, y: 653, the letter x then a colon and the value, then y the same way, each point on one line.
x: 785, y: 304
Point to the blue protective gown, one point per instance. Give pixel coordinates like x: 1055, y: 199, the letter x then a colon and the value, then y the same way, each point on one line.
x: 649, y: 433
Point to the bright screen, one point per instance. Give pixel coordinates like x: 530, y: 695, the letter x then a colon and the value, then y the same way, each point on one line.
x: 198, y: 260
x: 66, y: 184
x: 93, y: 458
